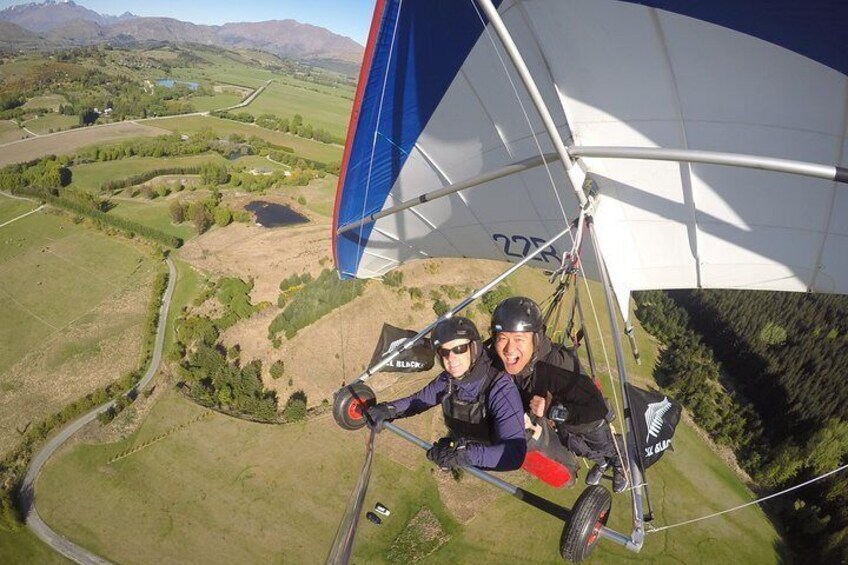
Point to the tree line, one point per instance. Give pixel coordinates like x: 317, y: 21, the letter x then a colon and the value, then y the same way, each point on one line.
x: 316, y: 299
x: 742, y: 363
x: 295, y: 125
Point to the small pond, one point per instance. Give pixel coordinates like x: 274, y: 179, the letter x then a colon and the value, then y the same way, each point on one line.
x: 272, y: 215
x: 169, y: 83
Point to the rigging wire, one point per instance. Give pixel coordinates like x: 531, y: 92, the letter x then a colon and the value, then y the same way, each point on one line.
x: 652, y: 530
x: 346, y: 534
x: 575, y: 244
x: 379, y: 116
x: 523, y: 111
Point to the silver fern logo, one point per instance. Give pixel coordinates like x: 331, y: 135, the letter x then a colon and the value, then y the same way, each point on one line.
x: 654, y: 417
x: 396, y: 344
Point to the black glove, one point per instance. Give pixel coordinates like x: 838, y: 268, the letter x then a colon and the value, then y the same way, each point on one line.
x: 378, y: 414
x: 449, y: 454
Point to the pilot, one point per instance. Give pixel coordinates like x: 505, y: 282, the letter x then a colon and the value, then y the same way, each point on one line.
x: 553, y: 389
x: 480, y: 403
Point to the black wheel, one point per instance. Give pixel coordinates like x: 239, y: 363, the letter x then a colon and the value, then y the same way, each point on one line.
x: 581, y: 533
x: 350, y: 404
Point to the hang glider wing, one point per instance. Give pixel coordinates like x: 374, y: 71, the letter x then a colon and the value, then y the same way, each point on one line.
x: 440, y: 103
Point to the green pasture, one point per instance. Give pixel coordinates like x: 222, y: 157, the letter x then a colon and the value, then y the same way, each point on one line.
x: 9, y: 131
x: 302, y: 147
x: 50, y: 123
x: 52, y: 272
x: 257, y: 161
x: 320, y: 194
x: 52, y: 101
x: 341, y: 90
x: 217, y: 491
x: 214, y: 102
x: 223, y: 69
x: 190, y: 282
x: 320, y: 109
x: 91, y: 176
x: 21, y: 546
x: 154, y: 214
x: 11, y: 208
x: 196, y: 498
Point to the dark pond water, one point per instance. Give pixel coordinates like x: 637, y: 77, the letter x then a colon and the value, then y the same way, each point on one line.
x: 272, y: 215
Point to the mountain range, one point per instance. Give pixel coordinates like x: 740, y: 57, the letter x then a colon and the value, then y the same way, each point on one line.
x: 57, y: 24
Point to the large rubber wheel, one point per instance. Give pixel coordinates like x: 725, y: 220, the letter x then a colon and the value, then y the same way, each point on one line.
x: 581, y: 533
x: 350, y: 404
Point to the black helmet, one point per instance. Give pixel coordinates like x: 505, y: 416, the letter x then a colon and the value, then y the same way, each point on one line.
x: 517, y: 314
x: 454, y: 328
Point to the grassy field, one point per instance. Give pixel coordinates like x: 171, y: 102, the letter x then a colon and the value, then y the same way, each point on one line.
x: 320, y: 109
x: 320, y: 194
x: 9, y: 131
x: 153, y: 213
x: 13, y: 207
x: 190, y: 282
x: 216, y: 102
x: 52, y: 272
x: 302, y: 147
x: 70, y: 141
x: 50, y: 123
x: 70, y: 297
x: 224, y: 69
x: 197, y: 497
x: 91, y: 176
x: 23, y: 547
x: 52, y: 101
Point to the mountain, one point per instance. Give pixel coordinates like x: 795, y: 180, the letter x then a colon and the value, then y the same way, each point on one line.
x: 69, y: 23
x: 162, y: 29
x: 289, y: 38
x: 49, y: 15
x: 14, y: 35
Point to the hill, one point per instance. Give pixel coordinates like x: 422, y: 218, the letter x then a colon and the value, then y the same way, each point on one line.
x: 67, y: 23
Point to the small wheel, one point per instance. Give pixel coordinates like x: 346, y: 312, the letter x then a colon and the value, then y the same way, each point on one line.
x: 589, y: 515
x: 348, y: 406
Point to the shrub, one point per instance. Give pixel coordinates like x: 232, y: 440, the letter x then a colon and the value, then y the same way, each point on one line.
x: 277, y: 369
x: 295, y: 409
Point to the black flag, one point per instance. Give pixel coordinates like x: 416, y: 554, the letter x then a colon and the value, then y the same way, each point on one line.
x: 655, y: 417
x: 417, y: 358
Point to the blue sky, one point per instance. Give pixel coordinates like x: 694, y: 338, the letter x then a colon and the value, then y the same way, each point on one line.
x: 345, y: 17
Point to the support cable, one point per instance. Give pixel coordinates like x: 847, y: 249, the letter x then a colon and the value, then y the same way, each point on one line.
x: 652, y: 530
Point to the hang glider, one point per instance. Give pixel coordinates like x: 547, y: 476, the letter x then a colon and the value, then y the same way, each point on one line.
x: 703, y: 145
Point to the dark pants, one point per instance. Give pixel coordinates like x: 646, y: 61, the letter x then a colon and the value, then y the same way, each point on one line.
x: 596, y: 445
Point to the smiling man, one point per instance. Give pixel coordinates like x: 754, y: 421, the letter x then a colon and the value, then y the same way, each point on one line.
x: 480, y: 404
x: 552, y: 388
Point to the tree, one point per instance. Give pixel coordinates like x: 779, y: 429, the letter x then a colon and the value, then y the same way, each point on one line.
x: 295, y: 409
x: 177, y: 211
x: 827, y: 447
x: 277, y: 369
x: 200, y: 217
x: 223, y: 216
x: 772, y: 334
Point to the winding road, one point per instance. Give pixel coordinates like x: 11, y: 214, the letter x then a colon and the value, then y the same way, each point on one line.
x: 33, y: 521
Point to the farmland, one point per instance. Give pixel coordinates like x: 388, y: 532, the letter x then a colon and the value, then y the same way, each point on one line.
x: 72, y: 140
x: 50, y: 123
x: 302, y: 147
x: 321, y: 109
x: 90, y: 176
x: 71, y: 298
x: 9, y: 131
x: 194, y: 514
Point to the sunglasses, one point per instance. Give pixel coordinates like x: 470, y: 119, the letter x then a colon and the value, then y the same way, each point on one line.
x: 458, y: 350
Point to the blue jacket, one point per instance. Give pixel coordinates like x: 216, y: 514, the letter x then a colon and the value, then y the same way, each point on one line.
x: 503, y: 403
